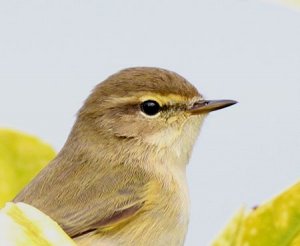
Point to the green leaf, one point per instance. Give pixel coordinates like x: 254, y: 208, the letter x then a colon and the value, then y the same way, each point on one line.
x: 275, y: 223
x: 21, y: 157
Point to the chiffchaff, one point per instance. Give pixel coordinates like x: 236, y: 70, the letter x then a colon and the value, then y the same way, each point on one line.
x: 120, y: 179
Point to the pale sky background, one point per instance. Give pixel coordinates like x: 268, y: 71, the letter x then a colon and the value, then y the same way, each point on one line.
x: 52, y: 53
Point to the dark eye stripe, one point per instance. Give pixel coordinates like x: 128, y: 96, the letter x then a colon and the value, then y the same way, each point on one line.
x: 175, y: 107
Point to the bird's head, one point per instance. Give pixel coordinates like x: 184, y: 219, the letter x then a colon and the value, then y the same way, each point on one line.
x: 146, y: 106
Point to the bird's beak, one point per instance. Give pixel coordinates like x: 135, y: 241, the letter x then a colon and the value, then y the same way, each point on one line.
x: 206, y: 106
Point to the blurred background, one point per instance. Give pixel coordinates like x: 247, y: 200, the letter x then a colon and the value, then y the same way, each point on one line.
x: 52, y: 53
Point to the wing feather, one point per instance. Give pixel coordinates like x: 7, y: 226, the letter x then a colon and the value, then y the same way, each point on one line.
x: 111, y: 195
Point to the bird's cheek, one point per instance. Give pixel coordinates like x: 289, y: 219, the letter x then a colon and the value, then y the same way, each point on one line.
x: 163, y: 138
x: 130, y: 127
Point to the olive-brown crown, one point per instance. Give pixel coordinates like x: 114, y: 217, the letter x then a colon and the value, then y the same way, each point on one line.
x: 145, y: 79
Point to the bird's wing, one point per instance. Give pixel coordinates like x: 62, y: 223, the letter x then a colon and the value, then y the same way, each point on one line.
x: 119, y: 217
x: 85, y: 198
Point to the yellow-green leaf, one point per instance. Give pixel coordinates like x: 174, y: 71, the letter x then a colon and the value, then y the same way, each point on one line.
x: 275, y: 223
x: 228, y: 237
x: 21, y: 157
x: 22, y: 224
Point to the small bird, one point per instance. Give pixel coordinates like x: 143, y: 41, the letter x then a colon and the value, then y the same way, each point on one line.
x: 120, y: 178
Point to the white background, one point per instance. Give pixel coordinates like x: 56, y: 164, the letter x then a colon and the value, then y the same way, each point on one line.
x: 52, y: 53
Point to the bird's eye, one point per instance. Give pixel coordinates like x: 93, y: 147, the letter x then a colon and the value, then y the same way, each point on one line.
x: 150, y: 107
